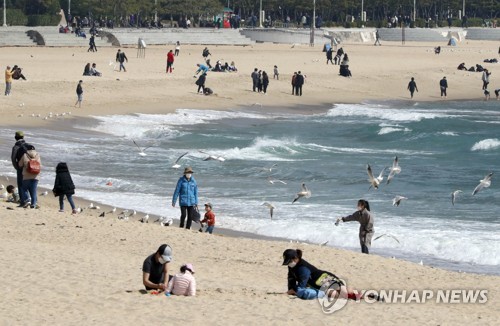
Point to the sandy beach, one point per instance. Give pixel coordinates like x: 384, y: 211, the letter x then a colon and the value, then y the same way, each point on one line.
x: 68, y: 269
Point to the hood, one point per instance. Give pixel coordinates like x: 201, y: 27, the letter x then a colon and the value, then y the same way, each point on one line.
x: 62, y: 167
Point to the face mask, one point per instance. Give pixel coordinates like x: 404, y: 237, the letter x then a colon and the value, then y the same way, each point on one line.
x: 188, y: 175
x: 292, y: 264
x: 161, y: 260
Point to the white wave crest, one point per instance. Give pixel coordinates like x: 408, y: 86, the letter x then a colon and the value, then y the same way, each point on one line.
x: 486, y: 145
x: 384, y: 112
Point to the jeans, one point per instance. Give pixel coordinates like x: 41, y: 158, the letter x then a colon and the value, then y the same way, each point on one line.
x: 210, y: 229
x: 169, y: 67
x: 31, y: 185
x: 365, y: 239
x: 23, y: 193
x: 122, y: 66
x: 8, y: 86
x: 189, y: 210
x: 443, y: 91
x: 70, y: 200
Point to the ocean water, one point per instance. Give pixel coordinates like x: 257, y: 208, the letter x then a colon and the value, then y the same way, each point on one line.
x: 441, y: 147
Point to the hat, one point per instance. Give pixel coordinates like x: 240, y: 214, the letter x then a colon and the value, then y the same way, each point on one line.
x: 209, y: 205
x: 165, y: 252
x: 189, y: 266
x: 19, y: 134
x: 288, y: 255
x: 188, y: 170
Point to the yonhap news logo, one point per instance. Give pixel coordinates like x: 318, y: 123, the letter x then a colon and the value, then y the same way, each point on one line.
x: 333, y: 297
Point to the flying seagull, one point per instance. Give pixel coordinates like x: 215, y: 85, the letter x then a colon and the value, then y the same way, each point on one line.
x: 485, y: 183
x: 273, y: 181
x: 268, y: 169
x: 387, y: 235
x: 176, y: 163
x: 211, y: 157
x: 395, y: 169
x: 454, y: 196
x: 271, y: 208
x: 141, y: 150
x: 304, y: 192
x: 374, y: 182
x: 397, y: 200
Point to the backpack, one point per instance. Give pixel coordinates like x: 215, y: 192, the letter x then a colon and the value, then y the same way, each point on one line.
x: 33, y: 166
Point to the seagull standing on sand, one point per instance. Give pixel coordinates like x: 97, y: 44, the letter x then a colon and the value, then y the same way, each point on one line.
x: 112, y: 211
x: 304, y: 192
x: 45, y: 193
x: 395, y: 169
x: 374, y: 182
x: 145, y: 219
x: 485, y: 183
x: 176, y: 163
x: 211, y: 157
x: 397, y: 200
x: 271, y: 208
x: 454, y: 196
x: 141, y: 150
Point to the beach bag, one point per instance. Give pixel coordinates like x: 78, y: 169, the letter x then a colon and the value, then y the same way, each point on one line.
x: 33, y: 166
x: 196, y: 215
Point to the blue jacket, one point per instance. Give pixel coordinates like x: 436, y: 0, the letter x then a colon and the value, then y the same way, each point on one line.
x: 187, y: 192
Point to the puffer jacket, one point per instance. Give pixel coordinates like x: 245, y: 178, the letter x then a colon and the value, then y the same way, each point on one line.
x: 23, y: 163
x: 63, y: 184
x: 187, y: 192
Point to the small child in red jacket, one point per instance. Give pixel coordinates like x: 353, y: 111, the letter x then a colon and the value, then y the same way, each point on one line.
x: 209, y: 218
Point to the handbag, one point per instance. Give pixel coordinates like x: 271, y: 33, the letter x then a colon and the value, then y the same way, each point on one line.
x: 196, y: 215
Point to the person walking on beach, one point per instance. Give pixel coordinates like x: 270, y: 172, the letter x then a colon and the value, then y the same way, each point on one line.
x: 276, y: 73
x: 79, y: 94
x: 121, y: 58
x: 177, y: 48
x: 329, y: 56
x: 205, y: 53
x: 443, y: 84
x: 187, y: 192
x: 64, y: 186
x: 8, y: 80
x: 294, y: 78
x: 255, y: 79
x: 365, y: 219
x: 377, y: 38
x: 18, y: 151
x: 265, y: 82
x: 308, y: 282
x: 155, y: 269
x: 209, y: 218
x: 299, y: 81
x: 92, y: 46
x: 183, y: 283
x: 170, y: 61
x: 31, y: 163
x: 412, y: 86
x: 486, y: 78
x: 201, y: 82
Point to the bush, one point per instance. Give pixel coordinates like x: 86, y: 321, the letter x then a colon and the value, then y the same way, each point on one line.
x: 43, y: 20
x: 15, y: 17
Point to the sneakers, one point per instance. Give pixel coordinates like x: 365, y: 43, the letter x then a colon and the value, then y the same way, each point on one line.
x: 74, y: 212
x: 61, y: 211
x: 35, y: 207
x: 27, y: 204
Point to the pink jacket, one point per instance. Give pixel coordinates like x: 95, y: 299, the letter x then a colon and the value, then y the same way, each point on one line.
x: 182, y: 284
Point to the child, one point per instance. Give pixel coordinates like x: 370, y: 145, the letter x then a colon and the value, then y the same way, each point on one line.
x: 183, y: 283
x: 276, y: 73
x: 64, y: 186
x: 209, y: 219
x: 14, y: 195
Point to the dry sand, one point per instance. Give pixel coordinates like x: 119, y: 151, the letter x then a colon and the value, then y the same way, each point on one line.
x: 63, y: 269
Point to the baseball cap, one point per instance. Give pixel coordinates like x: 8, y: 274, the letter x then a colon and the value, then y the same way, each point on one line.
x: 19, y: 134
x: 209, y: 205
x: 288, y: 255
x: 165, y: 252
x: 189, y: 266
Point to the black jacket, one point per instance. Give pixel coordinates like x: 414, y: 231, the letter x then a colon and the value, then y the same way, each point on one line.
x: 17, y: 152
x: 64, y: 184
x: 304, y: 274
x: 201, y: 80
x: 299, y: 80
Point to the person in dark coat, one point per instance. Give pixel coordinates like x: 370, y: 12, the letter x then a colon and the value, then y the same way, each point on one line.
x: 329, y: 56
x: 412, y: 86
x: 265, y: 82
x: 201, y: 82
x: 299, y: 81
x: 64, y: 186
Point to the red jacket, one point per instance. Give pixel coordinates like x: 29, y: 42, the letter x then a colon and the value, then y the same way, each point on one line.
x: 170, y: 57
x: 209, y: 218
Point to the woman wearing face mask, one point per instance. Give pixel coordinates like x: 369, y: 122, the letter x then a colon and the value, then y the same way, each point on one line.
x: 308, y: 282
x: 155, y: 269
x: 187, y: 192
x: 365, y: 219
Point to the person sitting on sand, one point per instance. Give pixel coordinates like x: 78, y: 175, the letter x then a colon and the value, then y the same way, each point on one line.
x: 13, y: 195
x: 94, y: 71
x: 308, y: 282
x: 365, y: 219
x: 86, y: 70
x: 437, y: 50
x: 232, y: 67
x: 17, y: 73
x: 183, y: 283
x: 155, y: 268
x: 462, y: 66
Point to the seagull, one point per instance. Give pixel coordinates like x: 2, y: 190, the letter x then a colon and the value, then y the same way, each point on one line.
x: 324, y: 243
x: 134, y: 213
x: 387, y: 235
x: 374, y: 182
x: 271, y: 208
x: 485, y: 183
x: 102, y: 214
x: 395, y: 169
x: 45, y: 193
x: 141, y: 150
x: 212, y: 157
x: 91, y: 205
x: 454, y: 196
x: 2, y: 187
x: 112, y: 211
x: 145, y: 219
x: 268, y: 169
x: 397, y: 200
x: 380, y: 177
x: 304, y: 192
x: 273, y: 181
x: 176, y: 163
